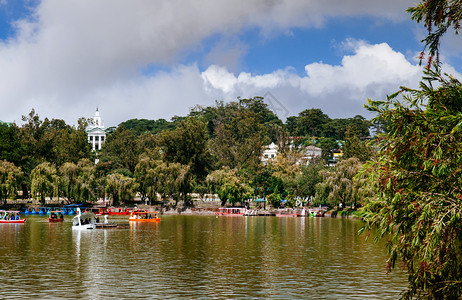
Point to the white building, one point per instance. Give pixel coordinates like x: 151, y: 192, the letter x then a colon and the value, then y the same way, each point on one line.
x: 308, y: 153
x: 96, y: 132
x: 312, y: 152
x: 270, y: 152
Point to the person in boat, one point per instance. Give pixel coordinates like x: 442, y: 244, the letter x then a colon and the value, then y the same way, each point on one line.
x: 97, y: 219
x: 61, y: 216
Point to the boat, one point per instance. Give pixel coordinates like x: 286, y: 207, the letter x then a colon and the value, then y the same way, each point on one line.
x: 231, y: 211
x: 83, y: 221
x: 251, y: 212
x: 144, y: 216
x: 118, y: 211
x: 107, y: 224
x: 97, y: 211
x: 56, y: 217
x: 10, y: 217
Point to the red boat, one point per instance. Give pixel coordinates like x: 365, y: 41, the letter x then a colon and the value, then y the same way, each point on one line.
x: 10, y: 217
x: 118, y: 211
x: 56, y: 217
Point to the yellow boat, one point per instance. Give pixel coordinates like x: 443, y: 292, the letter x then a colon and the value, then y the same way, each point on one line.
x: 144, y: 216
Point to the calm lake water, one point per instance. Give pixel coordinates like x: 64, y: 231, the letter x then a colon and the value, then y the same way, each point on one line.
x: 196, y: 257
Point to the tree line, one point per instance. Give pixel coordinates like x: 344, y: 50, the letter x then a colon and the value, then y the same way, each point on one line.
x: 215, y: 149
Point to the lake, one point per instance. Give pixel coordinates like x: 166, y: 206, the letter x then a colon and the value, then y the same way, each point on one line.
x: 185, y: 257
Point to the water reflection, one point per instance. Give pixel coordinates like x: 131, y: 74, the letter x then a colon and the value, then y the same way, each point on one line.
x: 196, y: 257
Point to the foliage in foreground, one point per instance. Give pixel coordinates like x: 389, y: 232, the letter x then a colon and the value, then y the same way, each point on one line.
x: 419, y: 179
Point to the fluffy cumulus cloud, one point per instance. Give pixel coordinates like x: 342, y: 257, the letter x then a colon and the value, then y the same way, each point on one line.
x: 67, y: 57
x: 372, y: 71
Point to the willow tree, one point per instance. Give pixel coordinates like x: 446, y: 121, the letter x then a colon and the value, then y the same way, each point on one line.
x: 175, y: 180
x: 338, y: 185
x: 121, y: 188
x: 229, y: 185
x: 44, y: 181
x: 145, y: 177
x: 10, y: 176
x: 418, y: 175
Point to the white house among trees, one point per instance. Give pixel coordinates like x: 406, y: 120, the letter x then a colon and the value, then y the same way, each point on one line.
x: 96, y: 132
x: 309, y: 153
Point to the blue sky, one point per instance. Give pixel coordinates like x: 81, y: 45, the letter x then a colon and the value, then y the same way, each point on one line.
x: 156, y: 59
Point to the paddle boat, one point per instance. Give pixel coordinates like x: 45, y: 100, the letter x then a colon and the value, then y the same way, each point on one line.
x: 97, y: 211
x: 105, y: 224
x: 55, y: 217
x: 10, y: 217
x: 144, y: 216
x: 118, y: 211
x: 83, y: 221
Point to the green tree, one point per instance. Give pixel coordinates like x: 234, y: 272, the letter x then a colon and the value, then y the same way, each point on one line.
x: 121, y: 188
x: 327, y: 146
x: 238, y: 139
x: 187, y: 145
x: 145, y: 176
x: 11, y: 147
x: 307, y: 180
x: 68, y: 174
x: 354, y: 147
x: 310, y: 122
x: 418, y: 195
x: 44, y: 181
x: 230, y: 187
x: 10, y: 178
x: 121, y: 149
x: 337, y: 184
x: 174, y: 180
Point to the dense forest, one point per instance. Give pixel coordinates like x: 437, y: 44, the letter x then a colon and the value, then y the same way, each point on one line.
x: 214, y: 149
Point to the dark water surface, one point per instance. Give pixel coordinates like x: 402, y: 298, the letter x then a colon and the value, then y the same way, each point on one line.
x: 196, y: 257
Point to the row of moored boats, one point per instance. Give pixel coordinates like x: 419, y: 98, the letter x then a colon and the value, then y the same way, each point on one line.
x: 88, y: 219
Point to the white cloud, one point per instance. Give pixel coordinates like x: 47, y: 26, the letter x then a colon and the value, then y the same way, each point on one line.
x: 373, y: 71
x: 70, y: 56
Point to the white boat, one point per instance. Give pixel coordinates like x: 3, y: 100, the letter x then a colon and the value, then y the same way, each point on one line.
x: 83, y: 221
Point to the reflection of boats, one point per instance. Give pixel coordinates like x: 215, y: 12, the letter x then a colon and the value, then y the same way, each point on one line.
x: 231, y: 211
x: 10, y: 217
x: 286, y: 213
x: 83, y: 221
x: 144, y: 216
x: 55, y: 216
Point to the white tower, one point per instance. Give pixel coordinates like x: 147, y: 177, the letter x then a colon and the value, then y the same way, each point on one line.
x: 96, y: 132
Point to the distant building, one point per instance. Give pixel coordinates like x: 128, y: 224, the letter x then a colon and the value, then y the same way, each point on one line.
x: 312, y: 152
x: 309, y: 153
x: 270, y: 152
x: 337, y: 154
x: 96, y: 132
